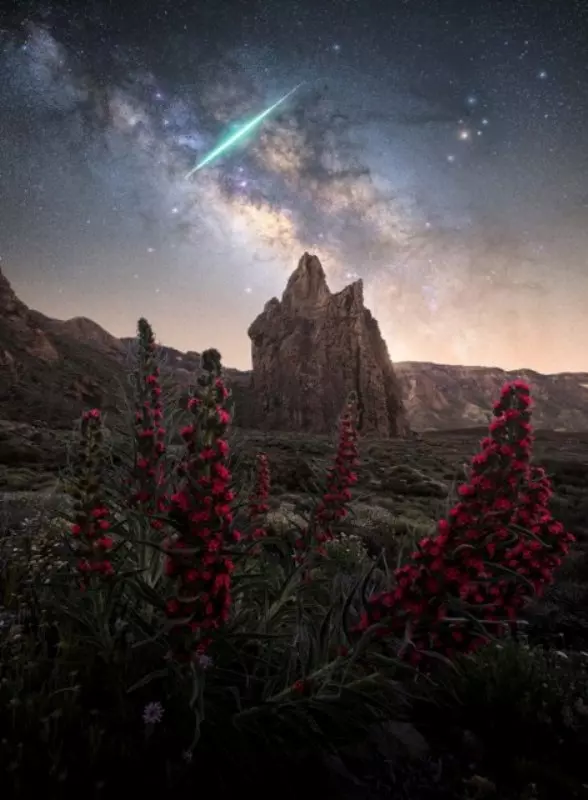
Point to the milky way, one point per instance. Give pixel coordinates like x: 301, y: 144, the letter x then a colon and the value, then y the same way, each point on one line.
x: 443, y: 159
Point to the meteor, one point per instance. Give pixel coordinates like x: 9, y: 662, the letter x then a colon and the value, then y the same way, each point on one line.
x: 242, y: 131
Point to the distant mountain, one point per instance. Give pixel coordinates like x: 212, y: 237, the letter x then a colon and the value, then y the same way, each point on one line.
x: 50, y: 370
x: 442, y: 397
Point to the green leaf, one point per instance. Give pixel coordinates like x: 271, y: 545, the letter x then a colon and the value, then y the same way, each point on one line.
x: 147, y: 679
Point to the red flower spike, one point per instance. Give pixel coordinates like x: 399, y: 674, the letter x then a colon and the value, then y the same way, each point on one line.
x: 258, y: 505
x: 340, y: 477
x: 92, y: 516
x: 148, y: 480
x: 502, y: 491
x: 201, y: 508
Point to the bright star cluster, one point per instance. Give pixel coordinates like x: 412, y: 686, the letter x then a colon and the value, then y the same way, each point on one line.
x: 426, y: 152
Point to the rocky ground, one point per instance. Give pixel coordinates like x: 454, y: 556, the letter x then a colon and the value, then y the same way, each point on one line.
x: 404, y: 484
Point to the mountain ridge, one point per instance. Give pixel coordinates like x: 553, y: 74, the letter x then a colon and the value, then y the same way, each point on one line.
x: 52, y: 369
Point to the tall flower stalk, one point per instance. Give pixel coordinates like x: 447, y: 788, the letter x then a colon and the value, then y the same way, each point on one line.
x: 148, y: 469
x: 201, y: 513
x: 341, y: 476
x: 258, y: 499
x: 470, y: 572
x: 148, y: 479
x: 90, y: 531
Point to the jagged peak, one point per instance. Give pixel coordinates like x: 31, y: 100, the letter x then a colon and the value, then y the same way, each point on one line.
x: 271, y: 304
x: 307, y: 285
x: 352, y: 294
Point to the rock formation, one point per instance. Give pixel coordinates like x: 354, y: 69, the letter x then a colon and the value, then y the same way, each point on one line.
x: 311, y: 349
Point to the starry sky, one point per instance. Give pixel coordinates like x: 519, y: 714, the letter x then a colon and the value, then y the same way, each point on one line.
x: 437, y: 149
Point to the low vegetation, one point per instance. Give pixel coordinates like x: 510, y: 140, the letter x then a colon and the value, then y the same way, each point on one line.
x: 166, y: 625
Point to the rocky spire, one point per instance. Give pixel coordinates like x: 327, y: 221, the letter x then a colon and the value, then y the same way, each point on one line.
x: 307, y: 287
x: 314, y: 347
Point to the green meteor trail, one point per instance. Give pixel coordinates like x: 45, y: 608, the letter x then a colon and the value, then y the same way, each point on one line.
x: 240, y: 133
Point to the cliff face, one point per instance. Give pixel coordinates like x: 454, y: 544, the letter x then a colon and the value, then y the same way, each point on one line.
x: 11, y: 308
x: 444, y: 397
x: 20, y: 331
x: 311, y: 349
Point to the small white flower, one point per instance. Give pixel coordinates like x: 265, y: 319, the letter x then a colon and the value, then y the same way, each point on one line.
x: 152, y: 713
x: 204, y: 661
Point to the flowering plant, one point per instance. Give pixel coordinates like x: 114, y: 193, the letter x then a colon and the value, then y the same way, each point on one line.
x: 177, y: 628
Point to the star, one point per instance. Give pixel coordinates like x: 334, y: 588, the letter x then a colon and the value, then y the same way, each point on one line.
x: 324, y: 173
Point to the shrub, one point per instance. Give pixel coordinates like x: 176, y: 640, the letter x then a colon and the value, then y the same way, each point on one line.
x: 348, y: 551
x: 520, y: 711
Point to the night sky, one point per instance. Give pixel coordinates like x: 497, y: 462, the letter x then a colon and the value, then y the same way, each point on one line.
x: 437, y: 149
